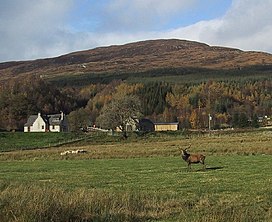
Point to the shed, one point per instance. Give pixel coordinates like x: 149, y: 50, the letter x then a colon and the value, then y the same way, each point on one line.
x: 172, y: 126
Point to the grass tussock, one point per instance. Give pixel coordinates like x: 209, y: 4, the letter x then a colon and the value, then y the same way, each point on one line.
x: 32, y: 203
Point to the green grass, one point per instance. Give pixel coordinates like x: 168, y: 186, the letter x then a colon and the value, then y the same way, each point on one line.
x: 161, y: 174
x: 22, y: 141
x: 142, y: 179
x: 229, y: 188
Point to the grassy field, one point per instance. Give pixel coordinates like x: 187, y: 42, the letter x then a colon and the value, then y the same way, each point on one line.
x: 142, y: 179
x: 23, y: 141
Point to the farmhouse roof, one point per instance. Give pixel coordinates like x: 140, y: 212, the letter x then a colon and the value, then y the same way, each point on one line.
x: 167, y: 123
x: 31, y: 119
x: 55, y: 119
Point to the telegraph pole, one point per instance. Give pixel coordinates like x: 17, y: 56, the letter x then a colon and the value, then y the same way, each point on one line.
x: 210, y: 118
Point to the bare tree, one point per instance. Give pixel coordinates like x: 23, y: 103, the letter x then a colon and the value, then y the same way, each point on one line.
x: 120, y: 112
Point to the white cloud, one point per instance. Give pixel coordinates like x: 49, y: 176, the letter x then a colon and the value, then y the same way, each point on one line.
x: 247, y: 25
x: 31, y: 28
x: 138, y: 15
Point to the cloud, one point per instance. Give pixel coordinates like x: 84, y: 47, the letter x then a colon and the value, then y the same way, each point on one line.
x: 27, y: 29
x: 247, y: 25
x: 139, y: 15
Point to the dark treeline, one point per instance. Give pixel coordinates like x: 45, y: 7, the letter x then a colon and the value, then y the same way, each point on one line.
x: 235, y: 103
x: 22, y: 97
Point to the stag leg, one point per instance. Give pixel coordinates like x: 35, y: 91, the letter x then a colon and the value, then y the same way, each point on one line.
x: 204, y: 165
x: 189, y: 167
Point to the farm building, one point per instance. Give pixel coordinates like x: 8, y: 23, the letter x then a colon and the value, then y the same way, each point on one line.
x: 149, y: 126
x: 166, y: 126
x: 46, y: 123
x: 146, y: 125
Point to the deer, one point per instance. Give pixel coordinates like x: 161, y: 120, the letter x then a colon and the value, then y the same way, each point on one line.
x: 192, y: 158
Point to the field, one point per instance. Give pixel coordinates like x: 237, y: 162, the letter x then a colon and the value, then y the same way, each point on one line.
x: 24, y: 141
x: 142, y: 179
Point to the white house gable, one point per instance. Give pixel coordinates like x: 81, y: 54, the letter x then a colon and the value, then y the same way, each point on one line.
x: 39, y: 125
x: 51, y: 123
x: 35, y: 123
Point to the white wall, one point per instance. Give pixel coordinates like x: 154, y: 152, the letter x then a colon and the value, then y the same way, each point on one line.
x: 39, y: 125
x: 26, y: 129
x: 56, y: 128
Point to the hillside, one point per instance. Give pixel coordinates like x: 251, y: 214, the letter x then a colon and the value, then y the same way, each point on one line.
x: 138, y: 57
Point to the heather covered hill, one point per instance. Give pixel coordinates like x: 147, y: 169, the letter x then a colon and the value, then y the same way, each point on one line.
x: 138, y: 57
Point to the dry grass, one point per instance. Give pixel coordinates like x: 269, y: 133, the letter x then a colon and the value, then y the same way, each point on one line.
x: 33, y: 203
x: 247, y: 143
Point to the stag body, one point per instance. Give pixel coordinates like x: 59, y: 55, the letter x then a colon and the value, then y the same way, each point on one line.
x: 193, y: 158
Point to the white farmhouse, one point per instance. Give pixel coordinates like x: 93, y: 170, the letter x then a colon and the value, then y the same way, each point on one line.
x: 46, y: 123
x: 57, y: 123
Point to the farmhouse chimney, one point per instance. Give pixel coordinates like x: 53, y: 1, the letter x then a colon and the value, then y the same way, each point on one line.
x: 61, y: 115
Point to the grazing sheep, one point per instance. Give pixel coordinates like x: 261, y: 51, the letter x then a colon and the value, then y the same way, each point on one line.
x: 72, y: 151
x: 65, y: 152
x: 193, y: 158
x: 81, y: 151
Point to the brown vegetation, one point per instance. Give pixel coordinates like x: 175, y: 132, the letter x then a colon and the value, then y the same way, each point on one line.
x: 138, y: 57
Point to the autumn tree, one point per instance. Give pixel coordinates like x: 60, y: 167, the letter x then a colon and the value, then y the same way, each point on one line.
x: 79, y: 120
x: 195, y: 119
x: 120, y: 112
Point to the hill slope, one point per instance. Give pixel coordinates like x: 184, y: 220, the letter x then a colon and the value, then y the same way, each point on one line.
x: 137, y: 57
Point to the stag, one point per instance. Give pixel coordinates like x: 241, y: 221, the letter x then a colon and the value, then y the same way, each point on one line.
x: 192, y: 158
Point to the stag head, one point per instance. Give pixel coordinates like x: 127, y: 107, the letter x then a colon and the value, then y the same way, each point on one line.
x: 184, y: 151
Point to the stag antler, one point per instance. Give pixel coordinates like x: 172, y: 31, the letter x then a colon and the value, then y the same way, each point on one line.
x: 188, y: 147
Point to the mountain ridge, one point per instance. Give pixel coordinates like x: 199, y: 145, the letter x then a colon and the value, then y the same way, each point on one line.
x: 137, y: 57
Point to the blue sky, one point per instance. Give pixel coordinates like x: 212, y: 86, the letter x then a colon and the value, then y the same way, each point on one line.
x: 125, y: 16
x: 32, y: 29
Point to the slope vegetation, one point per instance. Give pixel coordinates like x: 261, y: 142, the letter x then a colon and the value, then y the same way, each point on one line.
x: 139, y: 57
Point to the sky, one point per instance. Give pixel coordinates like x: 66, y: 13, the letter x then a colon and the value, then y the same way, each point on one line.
x: 33, y: 29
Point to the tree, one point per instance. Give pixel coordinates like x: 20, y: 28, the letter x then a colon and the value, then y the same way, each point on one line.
x: 235, y: 119
x: 243, y: 121
x: 120, y: 112
x: 78, y: 120
x: 153, y: 95
x: 240, y: 120
x: 195, y: 119
x: 255, y: 122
